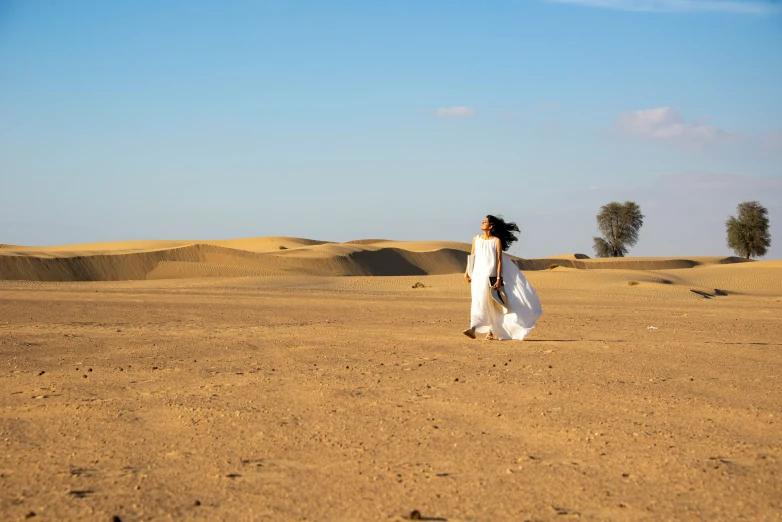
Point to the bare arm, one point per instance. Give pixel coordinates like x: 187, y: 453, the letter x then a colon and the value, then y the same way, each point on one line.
x: 499, y: 260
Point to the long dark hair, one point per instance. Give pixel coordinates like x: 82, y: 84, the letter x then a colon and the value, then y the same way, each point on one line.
x: 504, y: 231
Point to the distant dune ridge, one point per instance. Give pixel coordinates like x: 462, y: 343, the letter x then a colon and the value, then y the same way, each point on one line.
x: 265, y: 256
x: 135, y: 260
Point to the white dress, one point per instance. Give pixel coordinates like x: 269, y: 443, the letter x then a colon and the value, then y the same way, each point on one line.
x: 523, y: 304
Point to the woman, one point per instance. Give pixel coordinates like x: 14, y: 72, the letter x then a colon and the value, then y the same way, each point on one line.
x: 522, y: 309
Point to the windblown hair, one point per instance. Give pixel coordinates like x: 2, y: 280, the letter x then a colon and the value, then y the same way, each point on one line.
x: 504, y: 231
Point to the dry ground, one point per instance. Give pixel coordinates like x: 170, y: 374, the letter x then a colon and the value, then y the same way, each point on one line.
x: 307, y: 398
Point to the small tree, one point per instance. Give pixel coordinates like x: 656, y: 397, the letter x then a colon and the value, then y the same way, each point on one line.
x: 748, y: 234
x: 620, y: 224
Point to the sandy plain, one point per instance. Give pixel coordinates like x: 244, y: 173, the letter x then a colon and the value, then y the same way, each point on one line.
x: 238, y: 381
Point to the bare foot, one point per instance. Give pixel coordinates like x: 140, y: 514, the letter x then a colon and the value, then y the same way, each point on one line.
x: 470, y: 332
x: 490, y: 337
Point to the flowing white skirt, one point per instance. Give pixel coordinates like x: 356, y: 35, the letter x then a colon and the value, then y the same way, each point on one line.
x: 523, y: 304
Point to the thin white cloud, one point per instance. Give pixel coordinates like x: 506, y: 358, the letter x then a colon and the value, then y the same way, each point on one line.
x: 455, y: 112
x: 666, y: 124
x: 754, y: 7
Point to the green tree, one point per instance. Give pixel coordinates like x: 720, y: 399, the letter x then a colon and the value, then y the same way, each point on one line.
x: 748, y: 234
x: 619, y: 224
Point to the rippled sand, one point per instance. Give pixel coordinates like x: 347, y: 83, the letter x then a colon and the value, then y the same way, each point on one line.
x: 306, y: 397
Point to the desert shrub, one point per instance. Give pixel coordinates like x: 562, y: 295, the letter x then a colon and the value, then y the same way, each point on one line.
x: 633, y: 283
x: 748, y: 234
x: 283, y: 247
x: 620, y: 224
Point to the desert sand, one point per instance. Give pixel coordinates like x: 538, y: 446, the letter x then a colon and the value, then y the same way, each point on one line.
x: 235, y: 380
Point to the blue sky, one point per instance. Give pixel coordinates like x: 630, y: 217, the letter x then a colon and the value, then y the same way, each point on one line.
x: 402, y: 120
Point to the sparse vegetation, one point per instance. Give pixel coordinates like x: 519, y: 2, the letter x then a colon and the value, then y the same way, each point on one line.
x: 748, y: 234
x: 283, y: 247
x: 633, y: 283
x: 620, y: 224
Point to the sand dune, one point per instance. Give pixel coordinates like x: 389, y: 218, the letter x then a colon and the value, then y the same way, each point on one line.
x: 691, y: 277
x: 583, y: 262
x: 255, y: 244
x: 204, y: 389
x: 135, y: 260
x: 365, y: 241
x: 266, y: 244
